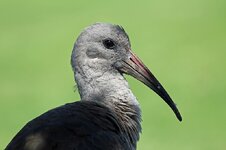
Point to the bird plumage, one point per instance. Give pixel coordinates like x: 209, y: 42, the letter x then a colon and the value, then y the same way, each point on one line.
x: 108, y: 115
x: 69, y: 127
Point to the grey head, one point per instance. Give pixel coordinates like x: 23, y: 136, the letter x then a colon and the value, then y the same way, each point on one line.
x: 100, y: 46
x: 101, y: 55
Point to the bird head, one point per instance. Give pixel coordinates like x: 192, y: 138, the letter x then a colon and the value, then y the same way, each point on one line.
x: 103, y: 46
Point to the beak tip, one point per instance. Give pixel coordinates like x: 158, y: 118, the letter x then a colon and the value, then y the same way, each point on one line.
x: 179, y: 118
x: 178, y: 115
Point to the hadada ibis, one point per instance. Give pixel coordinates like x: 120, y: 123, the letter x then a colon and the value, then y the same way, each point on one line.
x: 108, y: 116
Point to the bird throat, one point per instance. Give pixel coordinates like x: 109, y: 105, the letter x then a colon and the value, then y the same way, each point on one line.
x: 112, y: 90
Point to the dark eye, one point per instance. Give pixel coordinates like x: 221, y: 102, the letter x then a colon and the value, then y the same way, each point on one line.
x: 109, y: 44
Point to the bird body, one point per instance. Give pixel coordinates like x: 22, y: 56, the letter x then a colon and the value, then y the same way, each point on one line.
x: 108, y: 115
x: 69, y: 127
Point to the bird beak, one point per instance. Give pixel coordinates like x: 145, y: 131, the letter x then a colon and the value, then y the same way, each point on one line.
x: 135, y: 67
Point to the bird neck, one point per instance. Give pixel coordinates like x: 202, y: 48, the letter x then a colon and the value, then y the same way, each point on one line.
x: 108, y: 87
x: 112, y: 90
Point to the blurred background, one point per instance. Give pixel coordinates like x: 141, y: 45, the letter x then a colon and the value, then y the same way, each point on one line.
x: 182, y: 42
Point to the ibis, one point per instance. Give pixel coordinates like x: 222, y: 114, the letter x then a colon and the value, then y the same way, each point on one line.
x: 108, y: 116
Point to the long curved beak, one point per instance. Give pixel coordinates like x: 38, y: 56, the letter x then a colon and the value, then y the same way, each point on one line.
x: 135, y: 67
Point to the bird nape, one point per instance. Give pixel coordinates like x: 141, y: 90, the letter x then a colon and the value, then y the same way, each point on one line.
x: 108, y: 115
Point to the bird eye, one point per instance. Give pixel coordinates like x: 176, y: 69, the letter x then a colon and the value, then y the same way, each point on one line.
x: 109, y: 44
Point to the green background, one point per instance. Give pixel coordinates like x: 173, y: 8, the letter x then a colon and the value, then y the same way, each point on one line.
x: 182, y: 42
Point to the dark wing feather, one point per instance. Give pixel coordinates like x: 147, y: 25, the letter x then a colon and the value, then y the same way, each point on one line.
x: 74, y: 126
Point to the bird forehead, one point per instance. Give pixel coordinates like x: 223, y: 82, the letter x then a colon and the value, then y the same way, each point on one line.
x: 104, y: 30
